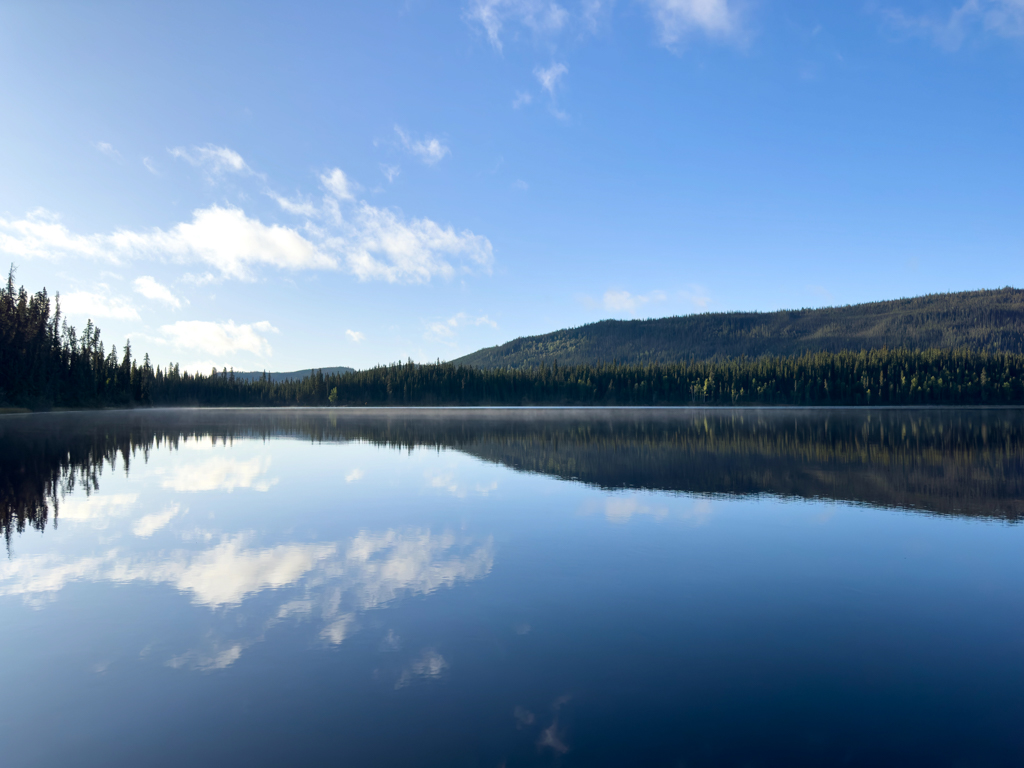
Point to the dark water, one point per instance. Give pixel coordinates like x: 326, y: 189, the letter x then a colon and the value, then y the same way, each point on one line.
x: 473, y: 588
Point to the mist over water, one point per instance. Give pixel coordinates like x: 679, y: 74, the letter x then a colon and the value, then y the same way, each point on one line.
x: 488, y: 587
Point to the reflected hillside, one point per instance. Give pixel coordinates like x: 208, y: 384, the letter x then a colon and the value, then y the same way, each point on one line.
x: 963, y: 462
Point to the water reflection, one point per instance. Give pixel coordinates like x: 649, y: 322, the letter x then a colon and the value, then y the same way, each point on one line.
x: 526, y: 588
x: 329, y: 583
x: 958, y: 462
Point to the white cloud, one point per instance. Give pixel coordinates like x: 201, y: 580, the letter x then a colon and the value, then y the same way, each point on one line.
x: 149, y: 524
x: 390, y: 171
x: 522, y: 99
x: 298, y: 207
x: 677, y: 18
x: 356, y: 336
x: 219, y: 338
x: 215, y: 160
x: 373, y: 243
x: 354, y: 475
x: 42, y: 235
x: 540, y: 16
x: 521, y: 185
x: 93, y: 305
x: 229, y: 241
x: 549, y: 77
x: 336, y: 182
x: 624, y: 301
x: 378, y: 244
x: 151, y: 289
x: 224, y: 238
x: 1002, y: 17
x: 108, y: 150
x: 429, y: 150
x: 150, y: 166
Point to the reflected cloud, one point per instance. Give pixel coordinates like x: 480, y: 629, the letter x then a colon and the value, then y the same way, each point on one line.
x: 447, y: 483
x: 621, y: 509
x: 355, y: 474
x: 221, y: 473
x: 37, y: 578
x: 228, y: 573
x: 374, y: 570
x: 97, y: 509
x: 429, y: 666
x: 150, y: 524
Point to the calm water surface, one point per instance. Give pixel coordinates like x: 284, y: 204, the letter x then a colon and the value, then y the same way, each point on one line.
x: 480, y: 588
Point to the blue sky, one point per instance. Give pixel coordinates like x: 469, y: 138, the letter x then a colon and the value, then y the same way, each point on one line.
x: 289, y: 185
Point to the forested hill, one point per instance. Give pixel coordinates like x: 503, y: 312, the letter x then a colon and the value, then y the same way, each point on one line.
x: 976, y: 320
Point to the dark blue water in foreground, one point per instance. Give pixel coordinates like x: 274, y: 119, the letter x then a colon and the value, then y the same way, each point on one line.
x: 469, y: 588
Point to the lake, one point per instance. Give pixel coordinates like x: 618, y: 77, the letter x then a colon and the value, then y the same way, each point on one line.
x: 512, y: 588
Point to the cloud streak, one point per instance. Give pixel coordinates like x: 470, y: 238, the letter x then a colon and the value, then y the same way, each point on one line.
x: 1001, y: 17
x: 675, y: 19
x: 430, y: 150
x: 215, y: 161
x: 151, y: 289
x: 539, y: 16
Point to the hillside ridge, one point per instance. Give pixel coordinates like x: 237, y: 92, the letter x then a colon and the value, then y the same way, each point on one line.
x: 983, y: 320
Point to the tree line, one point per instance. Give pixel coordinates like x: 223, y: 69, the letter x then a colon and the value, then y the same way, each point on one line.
x: 45, y: 362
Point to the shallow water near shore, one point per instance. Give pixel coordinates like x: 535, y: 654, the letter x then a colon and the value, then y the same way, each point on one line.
x: 512, y: 588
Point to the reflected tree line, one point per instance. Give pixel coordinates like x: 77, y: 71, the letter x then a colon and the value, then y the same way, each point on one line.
x: 940, y: 461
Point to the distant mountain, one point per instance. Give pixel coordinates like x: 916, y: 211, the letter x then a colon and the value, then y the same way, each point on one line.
x: 977, y: 320
x: 294, y: 375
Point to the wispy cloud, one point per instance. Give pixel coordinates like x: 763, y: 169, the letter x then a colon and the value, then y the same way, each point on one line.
x: 95, y: 305
x: 356, y: 336
x: 150, y: 166
x: 214, y: 160
x: 390, y: 172
x: 429, y: 150
x: 624, y: 301
x: 1001, y: 17
x: 108, y: 150
x: 539, y: 16
x: 548, y: 77
x: 220, y: 338
x: 298, y: 207
x: 337, y: 184
x: 675, y: 19
x: 522, y: 99
x: 151, y: 289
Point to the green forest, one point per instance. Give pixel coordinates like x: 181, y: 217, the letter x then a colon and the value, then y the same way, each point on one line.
x: 47, y: 363
x: 990, y: 321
